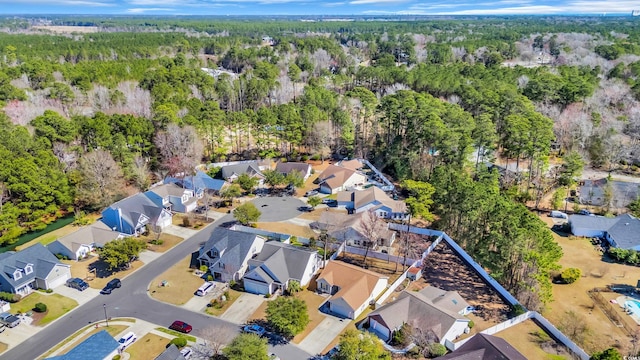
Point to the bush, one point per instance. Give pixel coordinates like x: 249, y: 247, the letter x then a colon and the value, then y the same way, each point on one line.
x: 117, y: 357
x: 40, y: 307
x: 571, y: 275
x: 402, y: 337
x: 179, y: 342
x: 437, y: 349
x: 518, y: 309
x: 414, y: 353
x: 157, y: 242
x: 186, y: 222
x: 9, y: 297
x: 471, y: 324
x: 62, y: 257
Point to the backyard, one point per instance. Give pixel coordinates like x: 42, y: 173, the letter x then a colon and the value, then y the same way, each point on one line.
x: 379, y: 266
x: 596, y: 273
x: 57, y: 305
x: 50, y: 237
x: 180, y: 283
x: 533, y: 342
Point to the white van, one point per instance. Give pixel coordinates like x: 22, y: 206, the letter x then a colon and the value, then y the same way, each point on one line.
x: 559, y: 214
x: 205, y: 288
x: 126, y: 340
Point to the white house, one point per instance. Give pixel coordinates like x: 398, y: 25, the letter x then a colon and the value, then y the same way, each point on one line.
x: 80, y: 243
x: 227, y: 253
x: 622, y: 232
x: 373, y: 198
x: 172, y: 197
x: 277, y: 265
x: 303, y: 169
x: 336, y: 178
x: 32, y: 268
x: 352, y: 288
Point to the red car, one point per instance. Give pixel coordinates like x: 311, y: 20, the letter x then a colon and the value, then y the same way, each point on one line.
x: 181, y: 326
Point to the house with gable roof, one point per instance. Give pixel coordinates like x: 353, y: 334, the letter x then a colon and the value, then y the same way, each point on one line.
x: 199, y: 183
x: 485, y: 347
x: 350, y: 229
x: 337, y: 178
x: 433, y: 309
x: 227, y: 252
x: 253, y: 168
x: 78, y: 244
x: 288, y: 167
x: 132, y: 215
x: 352, y: 288
x: 373, y: 198
x: 32, y: 268
x: 278, y: 264
x: 173, y: 198
x: 622, y: 232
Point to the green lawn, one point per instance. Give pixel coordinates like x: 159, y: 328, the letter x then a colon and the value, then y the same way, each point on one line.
x: 176, y: 334
x: 57, y: 305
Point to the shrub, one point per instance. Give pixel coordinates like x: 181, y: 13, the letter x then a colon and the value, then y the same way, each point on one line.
x: 267, y: 296
x: 186, y: 222
x: 117, y: 357
x: 437, y: 349
x: 402, y: 337
x: 209, y: 277
x: 9, y: 297
x: 518, y: 309
x: 414, y: 353
x: 157, y: 242
x: 571, y: 275
x: 471, y: 324
x: 40, y: 307
x: 179, y: 342
x: 62, y: 257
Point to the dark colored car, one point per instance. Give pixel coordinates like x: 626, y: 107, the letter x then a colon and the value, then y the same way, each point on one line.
x: 77, y: 283
x: 181, y: 326
x: 113, y: 284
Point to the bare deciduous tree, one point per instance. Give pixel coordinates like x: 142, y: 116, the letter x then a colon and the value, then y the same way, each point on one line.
x: 372, y: 228
x: 101, y: 179
x: 218, y: 336
x: 67, y: 157
x: 140, y: 172
x: 180, y: 149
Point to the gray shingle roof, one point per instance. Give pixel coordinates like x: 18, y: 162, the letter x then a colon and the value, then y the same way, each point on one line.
x: 278, y: 262
x: 485, y: 347
x: 136, y: 205
x: 287, y: 167
x: 166, y: 190
x: 95, y: 347
x: 42, y: 259
x: 449, y: 300
x: 623, y: 229
x: 171, y: 353
x: 200, y: 181
x: 234, y: 246
x: 97, y: 233
x: 250, y: 168
x: 592, y: 222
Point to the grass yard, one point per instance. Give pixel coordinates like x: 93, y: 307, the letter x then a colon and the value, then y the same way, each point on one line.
x: 233, y: 296
x: 315, y: 214
x: 81, y: 269
x: 3, y: 347
x: 313, y: 301
x: 57, y: 305
x: 286, y: 228
x: 176, y: 334
x: 181, y: 284
x: 529, y: 339
x: 260, y: 313
x: 195, y: 221
x: 579, y: 253
x: 168, y: 241
x: 52, y: 236
x: 147, y: 347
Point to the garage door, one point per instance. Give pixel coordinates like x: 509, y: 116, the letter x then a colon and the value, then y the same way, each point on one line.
x: 255, y: 287
x: 58, y: 276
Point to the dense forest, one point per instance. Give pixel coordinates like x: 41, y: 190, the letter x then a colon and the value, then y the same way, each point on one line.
x: 92, y: 115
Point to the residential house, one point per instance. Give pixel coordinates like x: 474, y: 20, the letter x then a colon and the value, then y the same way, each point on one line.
x: 351, y: 229
x: 448, y: 300
x: 373, y: 198
x: 252, y: 168
x: 173, y: 198
x: 352, y: 288
x: 134, y: 214
x: 227, y: 253
x: 99, y: 346
x: 484, y: 347
x: 419, y: 311
x: 353, y: 164
x: 200, y: 183
x: 171, y: 353
x: 32, y: 268
x: 622, y: 232
x: 336, y: 178
x: 278, y: 264
x: 80, y: 243
x: 288, y: 167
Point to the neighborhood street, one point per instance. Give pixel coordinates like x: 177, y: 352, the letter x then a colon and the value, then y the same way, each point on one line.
x: 132, y: 300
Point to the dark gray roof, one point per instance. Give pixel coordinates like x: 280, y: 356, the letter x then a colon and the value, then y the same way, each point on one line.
x: 95, y: 347
x: 251, y: 168
x: 592, y: 192
x: 171, y: 353
x: 592, y: 222
x: 626, y: 231
x: 232, y: 245
x: 43, y: 262
x: 136, y: 205
x: 287, y: 167
x: 485, y: 347
x: 201, y: 181
x: 278, y: 262
x: 415, y: 309
x: 97, y: 233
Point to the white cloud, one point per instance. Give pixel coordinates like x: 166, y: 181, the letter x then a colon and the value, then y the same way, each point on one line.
x: 63, y: 2
x: 143, y: 10
x: 367, y: 2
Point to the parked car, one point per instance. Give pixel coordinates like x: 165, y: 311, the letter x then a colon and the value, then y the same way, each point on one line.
x: 186, y: 352
x: 311, y: 193
x: 77, y: 283
x: 113, y: 284
x: 128, y: 339
x: 330, y: 202
x: 181, y: 326
x: 254, y: 329
x: 585, y: 212
x: 205, y: 288
x: 306, y: 208
x: 559, y: 214
x: 9, y: 320
x: 200, y: 209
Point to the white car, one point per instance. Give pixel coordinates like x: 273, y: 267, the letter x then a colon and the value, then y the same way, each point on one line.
x: 186, y: 352
x: 128, y: 339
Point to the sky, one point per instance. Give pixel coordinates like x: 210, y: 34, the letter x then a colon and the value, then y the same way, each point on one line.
x: 326, y: 7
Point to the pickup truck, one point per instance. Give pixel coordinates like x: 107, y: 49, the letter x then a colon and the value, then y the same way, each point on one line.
x: 9, y: 320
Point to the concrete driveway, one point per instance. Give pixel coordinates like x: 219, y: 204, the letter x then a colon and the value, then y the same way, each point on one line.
x: 179, y: 231
x: 320, y: 337
x: 278, y: 208
x: 81, y: 297
x: 199, y: 303
x: 242, y: 308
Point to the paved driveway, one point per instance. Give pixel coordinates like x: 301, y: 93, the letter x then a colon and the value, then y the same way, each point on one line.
x: 242, y: 308
x: 81, y: 297
x: 278, y: 208
x: 179, y: 231
x: 320, y: 337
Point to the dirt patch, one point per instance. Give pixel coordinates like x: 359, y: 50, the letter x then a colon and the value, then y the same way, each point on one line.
x: 379, y: 266
x: 533, y: 342
x: 102, y: 275
x: 167, y: 241
x: 179, y: 281
x: 287, y: 228
x: 150, y: 345
x: 444, y: 269
x: 59, y: 29
x: 217, y: 311
x: 315, y: 214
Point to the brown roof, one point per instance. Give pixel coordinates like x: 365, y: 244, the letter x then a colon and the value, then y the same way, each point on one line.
x: 375, y: 194
x: 413, y: 270
x: 335, y: 176
x: 352, y: 164
x: 343, y: 227
x: 287, y: 167
x: 356, y: 284
x: 485, y: 347
x: 418, y: 311
x: 344, y: 196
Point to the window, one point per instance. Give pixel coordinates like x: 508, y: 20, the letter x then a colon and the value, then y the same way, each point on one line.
x: 28, y: 269
x: 17, y: 274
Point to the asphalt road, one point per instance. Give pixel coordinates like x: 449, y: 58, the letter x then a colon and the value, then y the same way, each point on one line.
x: 132, y: 300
